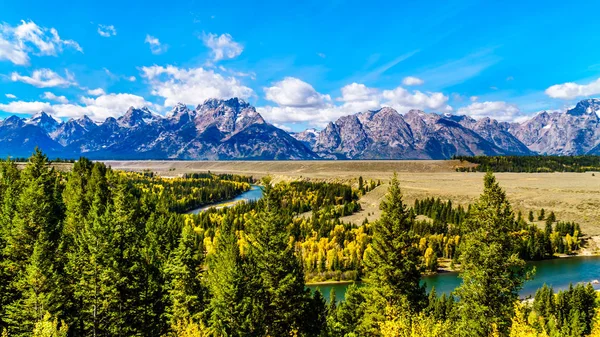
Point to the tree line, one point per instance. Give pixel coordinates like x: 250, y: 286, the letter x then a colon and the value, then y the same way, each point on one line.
x: 530, y: 164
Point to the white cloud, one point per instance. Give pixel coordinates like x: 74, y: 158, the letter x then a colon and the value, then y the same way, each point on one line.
x: 155, y: 46
x: 192, y: 85
x: 16, y: 43
x: 292, y: 92
x: 98, y: 108
x: 498, y: 110
x: 45, y: 78
x: 131, y: 78
x: 357, y: 92
x: 96, y: 92
x: 107, y: 30
x: 11, y: 96
x: 53, y: 97
x: 473, y: 98
x: 21, y: 107
x: 222, y: 46
x: 299, y: 102
x: 403, y: 100
x: 571, y: 90
x: 411, y: 80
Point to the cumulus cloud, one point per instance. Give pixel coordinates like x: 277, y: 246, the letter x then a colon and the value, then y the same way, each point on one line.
x: 96, y: 92
x: 411, y: 80
x: 155, y: 46
x: 18, y: 42
x: 192, y: 85
x: 403, y: 100
x: 571, y: 90
x: 45, y: 78
x: 498, y: 110
x: 223, y: 47
x: 295, y: 93
x: 11, y: 96
x: 53, y: 97
x: 473, y: 98
x: 299, y: 102
x: 131, y: 78
x: 97, y: 108
x: 107, y: 30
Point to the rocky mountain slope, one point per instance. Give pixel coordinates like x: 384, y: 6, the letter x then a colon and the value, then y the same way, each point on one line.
x: 573, y: 132
x: 233, y: 129
x: 215, y: 130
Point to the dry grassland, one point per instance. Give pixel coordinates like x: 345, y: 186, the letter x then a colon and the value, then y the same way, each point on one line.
x: 572, y: 196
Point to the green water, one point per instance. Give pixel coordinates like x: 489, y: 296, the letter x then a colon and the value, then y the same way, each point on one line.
x: 557, y: 273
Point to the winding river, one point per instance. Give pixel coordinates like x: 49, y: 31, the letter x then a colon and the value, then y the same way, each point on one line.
x: 254, y: 193
x: 557, y: 273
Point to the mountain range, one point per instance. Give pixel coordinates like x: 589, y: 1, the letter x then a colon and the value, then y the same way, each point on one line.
x: 233, y: 129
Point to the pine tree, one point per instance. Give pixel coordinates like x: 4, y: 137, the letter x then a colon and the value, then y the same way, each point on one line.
x: 393, y: 266
x: 31, y: 248
x: 492, y: 274
x: 284, y: 296
x: 185, y: 291
x: 10, y: 188
x: 349, y: 313
x: 530, y: 216
x: 235, y: 307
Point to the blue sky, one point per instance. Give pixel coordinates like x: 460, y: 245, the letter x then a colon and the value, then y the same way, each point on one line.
x: 301, y: 64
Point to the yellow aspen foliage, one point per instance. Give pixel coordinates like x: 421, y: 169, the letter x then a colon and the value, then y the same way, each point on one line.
x: 404, y: 325
x: 188, y: 328
x: 596, y: 325
x: 520, y: 327
x: 49, y: 327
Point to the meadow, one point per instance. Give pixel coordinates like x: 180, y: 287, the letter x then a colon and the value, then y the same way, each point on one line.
x: 572, y: 196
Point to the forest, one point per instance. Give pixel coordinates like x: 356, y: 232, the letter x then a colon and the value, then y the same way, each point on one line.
x: 98, y: 252
x: 530, y: 164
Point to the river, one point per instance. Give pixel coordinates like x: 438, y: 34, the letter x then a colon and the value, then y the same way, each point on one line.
x: 557, y: 273
x: 254, y: 193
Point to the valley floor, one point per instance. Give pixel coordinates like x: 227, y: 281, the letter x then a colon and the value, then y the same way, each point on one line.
x: 572, y: 196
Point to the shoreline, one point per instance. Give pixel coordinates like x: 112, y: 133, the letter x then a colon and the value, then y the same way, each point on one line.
x: 324, y: 283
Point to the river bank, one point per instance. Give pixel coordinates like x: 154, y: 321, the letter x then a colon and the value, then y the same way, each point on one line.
x: 557, y: 273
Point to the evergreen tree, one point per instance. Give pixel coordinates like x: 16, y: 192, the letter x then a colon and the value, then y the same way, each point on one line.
x: 492, y: 274
x: 349, y: 314
x: 530, y: 216
x: 31, y: 248
x: 185, y: 291
x: 393, y: 266
x: 542, y: 215
x: 235, y: 307
x: 10, y: 187
x: 284, y: 296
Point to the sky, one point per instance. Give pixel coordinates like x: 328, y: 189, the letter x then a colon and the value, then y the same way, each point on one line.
x: 300, y: 63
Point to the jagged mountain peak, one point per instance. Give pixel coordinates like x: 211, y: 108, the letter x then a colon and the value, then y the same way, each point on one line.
x: 586, y: 107
x: 215, y: 103
x: 45, y: 121
x: 13, y: 121
x: 136, y: 117
x: 233, y: 129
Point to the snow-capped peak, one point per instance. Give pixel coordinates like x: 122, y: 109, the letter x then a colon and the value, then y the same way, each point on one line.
x: 45, y: 121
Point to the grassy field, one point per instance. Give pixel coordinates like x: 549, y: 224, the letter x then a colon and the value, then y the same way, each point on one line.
x: 572, y: 196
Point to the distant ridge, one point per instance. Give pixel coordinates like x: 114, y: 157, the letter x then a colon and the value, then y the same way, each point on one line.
x: 233, y: 129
